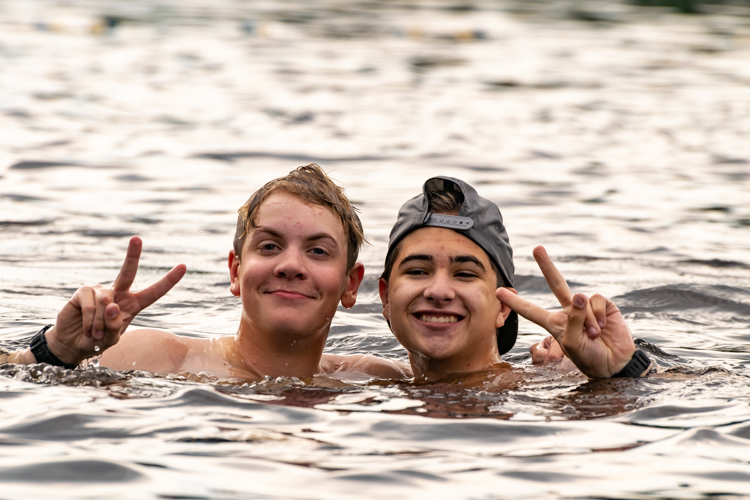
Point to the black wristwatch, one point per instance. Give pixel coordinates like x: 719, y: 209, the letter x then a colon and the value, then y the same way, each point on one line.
x: 637, y: 365
x: 41, y: 351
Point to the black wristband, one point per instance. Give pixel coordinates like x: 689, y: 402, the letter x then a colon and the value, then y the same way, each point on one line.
x: 41, y: 351
x: 637, y: 365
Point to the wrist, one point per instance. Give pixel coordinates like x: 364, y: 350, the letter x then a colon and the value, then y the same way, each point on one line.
x: 21, y: 358
x: 44, y: 353
x: 61, y: 350
x: 638, y: 366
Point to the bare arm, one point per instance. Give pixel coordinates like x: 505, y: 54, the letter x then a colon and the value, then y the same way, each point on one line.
x: 149, y: 350
x: 95, y: 317
x: 369, y: 365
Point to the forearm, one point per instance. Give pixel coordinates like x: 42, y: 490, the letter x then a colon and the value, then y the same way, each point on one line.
x: 38, y: 352
x: 17, y: 357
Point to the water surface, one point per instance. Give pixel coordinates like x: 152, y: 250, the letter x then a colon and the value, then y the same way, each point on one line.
x: 615, y: 136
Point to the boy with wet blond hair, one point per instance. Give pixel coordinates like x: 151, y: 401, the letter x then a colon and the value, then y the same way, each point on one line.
x: 293, y: 261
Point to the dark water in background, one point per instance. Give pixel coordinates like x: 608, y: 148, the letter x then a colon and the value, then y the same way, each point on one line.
x: 615, y: 136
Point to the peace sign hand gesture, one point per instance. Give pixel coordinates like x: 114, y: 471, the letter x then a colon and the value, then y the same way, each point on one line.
x: 592, y: 333
x: 95, y: 317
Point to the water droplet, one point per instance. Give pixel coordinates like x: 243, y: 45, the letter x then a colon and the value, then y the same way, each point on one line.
x: 97, y: 348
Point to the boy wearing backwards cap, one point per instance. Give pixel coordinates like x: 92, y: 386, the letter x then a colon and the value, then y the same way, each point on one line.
x: 294, y: 260
x: 447, y: 293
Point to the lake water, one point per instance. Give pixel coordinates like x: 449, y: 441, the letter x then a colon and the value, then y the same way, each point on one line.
x: 617, y: 137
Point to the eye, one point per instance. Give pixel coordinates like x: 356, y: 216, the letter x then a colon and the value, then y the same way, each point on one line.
x: 416, y: 271
x: 466, y: 274
x: 320, y: 252
x: 269, y: 247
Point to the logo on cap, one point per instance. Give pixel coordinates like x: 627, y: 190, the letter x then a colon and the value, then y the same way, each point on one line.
x: 449, y: 221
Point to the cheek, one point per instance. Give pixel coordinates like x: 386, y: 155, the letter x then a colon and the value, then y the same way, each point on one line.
x: 254, y: 273
x: 330, y: 279
x: 482, y: 303
x: 399, y: 298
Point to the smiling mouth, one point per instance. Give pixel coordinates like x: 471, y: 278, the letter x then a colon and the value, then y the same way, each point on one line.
x: 288, y: 294
x: 431, y: 318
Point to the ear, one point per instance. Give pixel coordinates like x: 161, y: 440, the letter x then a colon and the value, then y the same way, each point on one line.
x: 354, y: 279
x: 234, y: 276
x: 504, y: 310
x: 383, y: 290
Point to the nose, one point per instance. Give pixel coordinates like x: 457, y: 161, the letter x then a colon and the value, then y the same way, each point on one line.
x: 440, y: 288
x: 290, y: 264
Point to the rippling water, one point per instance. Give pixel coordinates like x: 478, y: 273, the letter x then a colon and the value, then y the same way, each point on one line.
x: 615, y: 136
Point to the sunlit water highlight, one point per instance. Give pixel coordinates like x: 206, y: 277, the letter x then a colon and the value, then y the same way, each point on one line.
x: 620, y: 143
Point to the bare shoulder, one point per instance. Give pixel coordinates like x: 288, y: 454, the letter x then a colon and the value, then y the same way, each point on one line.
x: 149, y: 350
x: 365, y: 363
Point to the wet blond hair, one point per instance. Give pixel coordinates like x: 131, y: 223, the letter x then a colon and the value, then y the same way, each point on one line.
x: 313, y: 186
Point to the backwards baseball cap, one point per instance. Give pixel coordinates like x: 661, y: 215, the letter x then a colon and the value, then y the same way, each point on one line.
x: 478, y: 219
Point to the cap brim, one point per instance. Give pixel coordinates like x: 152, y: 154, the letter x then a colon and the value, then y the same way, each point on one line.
x: 508, y: 333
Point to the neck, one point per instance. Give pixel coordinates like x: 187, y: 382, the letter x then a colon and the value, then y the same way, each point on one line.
x: 277, y: 354
x: 426, y: 368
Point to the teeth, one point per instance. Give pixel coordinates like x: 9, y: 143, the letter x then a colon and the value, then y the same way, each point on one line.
x: 438, y: 319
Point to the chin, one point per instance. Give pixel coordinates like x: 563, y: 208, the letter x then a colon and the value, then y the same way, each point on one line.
x: 290, y: 325
x: 436, y: 349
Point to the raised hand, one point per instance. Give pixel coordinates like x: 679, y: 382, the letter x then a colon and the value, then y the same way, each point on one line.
x: 95, y: 317
x: 592, y: 333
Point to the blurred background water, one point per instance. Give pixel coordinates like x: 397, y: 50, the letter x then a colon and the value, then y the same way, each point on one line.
x: 613, y: 133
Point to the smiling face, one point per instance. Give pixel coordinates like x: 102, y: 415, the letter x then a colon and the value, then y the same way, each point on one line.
x: 440, y: 301
x: 293, y: 270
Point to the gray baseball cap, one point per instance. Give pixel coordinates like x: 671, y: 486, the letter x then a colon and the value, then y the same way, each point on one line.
x: 479, y: 220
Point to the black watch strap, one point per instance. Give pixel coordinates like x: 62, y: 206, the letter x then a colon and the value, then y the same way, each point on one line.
x: 41, y: 351
x: 637, y: 365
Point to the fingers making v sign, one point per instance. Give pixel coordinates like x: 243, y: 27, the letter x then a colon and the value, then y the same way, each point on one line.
x: 591, y: 332
x: 96, y: 316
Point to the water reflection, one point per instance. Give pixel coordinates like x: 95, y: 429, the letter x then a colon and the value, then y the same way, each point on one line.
x: 612, y: 134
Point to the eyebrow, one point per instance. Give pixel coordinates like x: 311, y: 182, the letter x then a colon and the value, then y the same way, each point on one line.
x: 414, y: 257
x: 266, y: 230
x: 276, y: 234
x: 321, y: 236
x: 469, y: 258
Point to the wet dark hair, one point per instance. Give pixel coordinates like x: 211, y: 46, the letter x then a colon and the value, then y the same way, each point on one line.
x: 313, y: 186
